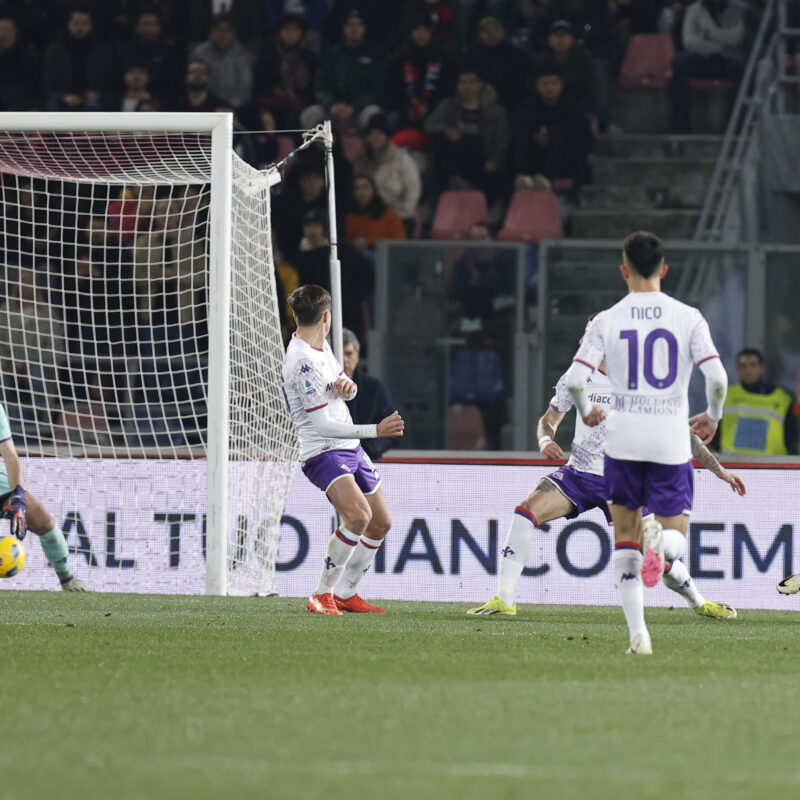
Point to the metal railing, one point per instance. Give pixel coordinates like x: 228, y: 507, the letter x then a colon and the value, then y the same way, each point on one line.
x: 729, y: 211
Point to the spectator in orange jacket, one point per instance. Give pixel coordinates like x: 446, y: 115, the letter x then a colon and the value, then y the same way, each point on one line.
x: 371, y: 219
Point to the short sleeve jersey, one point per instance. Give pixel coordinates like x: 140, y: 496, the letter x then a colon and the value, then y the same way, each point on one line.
x: 307, y: 377
x: 650, y: 342
x: 586, y: 453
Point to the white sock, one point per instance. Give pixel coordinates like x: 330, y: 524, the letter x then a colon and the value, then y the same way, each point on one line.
x: 674, y: 544
x: 627, y: 565
x: 357, y: 566
x: 678, y: 579
x: 341, y: 546
x: 515, y: 553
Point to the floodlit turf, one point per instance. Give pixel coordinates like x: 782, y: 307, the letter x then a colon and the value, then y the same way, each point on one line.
x: 115, y: 697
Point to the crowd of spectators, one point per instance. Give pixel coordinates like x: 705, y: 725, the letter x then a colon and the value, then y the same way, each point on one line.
x: 425, y: 96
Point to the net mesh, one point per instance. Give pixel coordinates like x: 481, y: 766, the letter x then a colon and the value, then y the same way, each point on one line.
x: 104, y: 356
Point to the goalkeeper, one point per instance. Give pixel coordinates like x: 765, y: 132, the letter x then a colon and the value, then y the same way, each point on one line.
x: 25, y: 511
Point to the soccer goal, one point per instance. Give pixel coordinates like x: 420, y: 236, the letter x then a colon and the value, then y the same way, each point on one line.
x: 141, y: 349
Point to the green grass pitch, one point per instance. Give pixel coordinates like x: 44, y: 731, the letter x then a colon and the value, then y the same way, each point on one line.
x: 116, y: 697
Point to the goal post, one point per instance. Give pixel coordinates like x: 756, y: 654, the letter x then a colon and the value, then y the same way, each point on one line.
x: 178, y: 386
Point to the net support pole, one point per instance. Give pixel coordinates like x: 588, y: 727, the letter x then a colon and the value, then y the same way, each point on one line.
x: 219, y: 310
x: 335, y: 266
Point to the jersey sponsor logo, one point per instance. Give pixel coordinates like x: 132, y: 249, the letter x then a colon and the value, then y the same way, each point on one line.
x: 601, y: 399
x: 305, y: 368
x: 344, y: 467
x: 646, y: 313
x: 559, y: 476
x: 644, y: 404
x: 627, y: 576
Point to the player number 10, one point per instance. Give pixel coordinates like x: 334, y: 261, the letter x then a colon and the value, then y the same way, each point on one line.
x: 632, y: 337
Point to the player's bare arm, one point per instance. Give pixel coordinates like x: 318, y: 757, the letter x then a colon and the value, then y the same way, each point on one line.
x: 709, y: 461
x: 545, y: 434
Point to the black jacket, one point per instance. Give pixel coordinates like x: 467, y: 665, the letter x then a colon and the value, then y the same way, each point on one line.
x: 370, y: 405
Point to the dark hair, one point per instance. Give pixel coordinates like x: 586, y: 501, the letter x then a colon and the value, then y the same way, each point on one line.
x: 644, y: 252
x: 292, y: 18
x: 750, y: 351
x: 309, y: 303
x: 376, y: 207
x: 469, y: 68
x: 547, y: 66
x: 220, y: 19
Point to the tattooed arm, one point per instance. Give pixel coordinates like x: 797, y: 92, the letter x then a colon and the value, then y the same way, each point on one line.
x: 708, y: 460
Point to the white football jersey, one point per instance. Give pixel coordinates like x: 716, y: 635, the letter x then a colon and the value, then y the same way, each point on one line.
x: 307, y: 377
x: 649, y: 341
x: 586, y: 453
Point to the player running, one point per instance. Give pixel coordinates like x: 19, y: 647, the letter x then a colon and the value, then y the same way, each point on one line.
x: 578, y: 487
x: 26, y: 513
x: 649, y: 342
x: 316, y: 389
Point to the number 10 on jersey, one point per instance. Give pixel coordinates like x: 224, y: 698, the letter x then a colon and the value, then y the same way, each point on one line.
x: 632, y: 338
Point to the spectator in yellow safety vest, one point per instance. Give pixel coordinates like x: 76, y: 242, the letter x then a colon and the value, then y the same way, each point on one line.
x: 758, y: 418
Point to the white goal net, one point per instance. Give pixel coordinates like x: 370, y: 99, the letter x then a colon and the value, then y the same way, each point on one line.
x: 140, y: 353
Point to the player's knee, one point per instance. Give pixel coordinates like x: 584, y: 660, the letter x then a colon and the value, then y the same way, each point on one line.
x: 380, y: 526
x: 527, y: 504
x: 360, y: 520
x: 40, y: 524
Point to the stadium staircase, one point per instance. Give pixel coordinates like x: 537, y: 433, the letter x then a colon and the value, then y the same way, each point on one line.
x: 646, y: 181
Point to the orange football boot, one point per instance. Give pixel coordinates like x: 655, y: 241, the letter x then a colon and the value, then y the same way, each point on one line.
x: 357, y: 605
x: 322, y: 604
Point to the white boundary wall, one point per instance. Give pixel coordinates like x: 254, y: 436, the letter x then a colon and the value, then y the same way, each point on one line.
x: 449, y: 525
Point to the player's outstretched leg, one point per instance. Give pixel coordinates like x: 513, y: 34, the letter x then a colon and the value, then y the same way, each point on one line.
x: 676, y: 577
x: 53, y: 544
x: 790, y: 585
x: 513, y: 557
x: 361, y: 560
x: 542, y: 505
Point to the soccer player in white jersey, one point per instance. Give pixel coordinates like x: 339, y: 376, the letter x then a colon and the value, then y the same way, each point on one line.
x: 649, y: 342
x: 578, y: 487
x: 25, y: 512
x: 316, y: 389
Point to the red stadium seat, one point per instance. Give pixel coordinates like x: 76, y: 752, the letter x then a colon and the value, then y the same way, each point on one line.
x: 532, y: 216
x: 465, y: 428
x: 648, y: 62
x: 456, y: 211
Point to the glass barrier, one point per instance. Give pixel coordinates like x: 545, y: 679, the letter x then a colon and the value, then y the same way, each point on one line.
x: 782, y: 328
x: 448, y: 319
x: 471, y: 337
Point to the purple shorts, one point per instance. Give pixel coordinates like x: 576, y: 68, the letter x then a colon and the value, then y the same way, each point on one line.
x: 583, y: 489
x: 666, y: 489
x: 326, y: 468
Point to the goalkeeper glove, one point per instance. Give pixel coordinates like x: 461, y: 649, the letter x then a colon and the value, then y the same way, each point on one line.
x: 14, y: 510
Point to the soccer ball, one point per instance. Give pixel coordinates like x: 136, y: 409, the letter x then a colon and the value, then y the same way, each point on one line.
x: 12, y: 557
